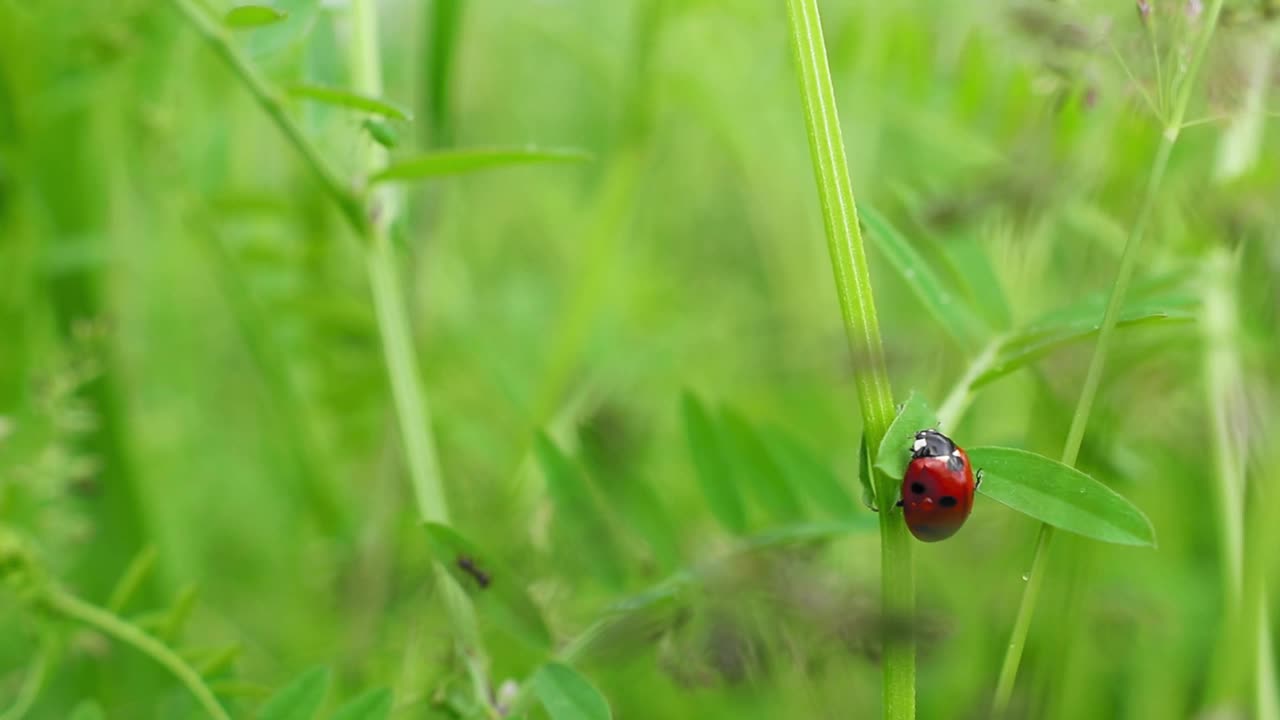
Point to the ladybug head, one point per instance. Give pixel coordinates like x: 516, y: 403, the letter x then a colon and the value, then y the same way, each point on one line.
x: 931, y: 443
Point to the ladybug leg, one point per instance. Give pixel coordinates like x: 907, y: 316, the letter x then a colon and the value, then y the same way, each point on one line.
x: 978, y: 481
x: 898, y: 504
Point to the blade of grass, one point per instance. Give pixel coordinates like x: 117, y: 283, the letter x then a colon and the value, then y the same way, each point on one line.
x: 1075, y: 435
x: 857, y: 305
x: 455, y: 162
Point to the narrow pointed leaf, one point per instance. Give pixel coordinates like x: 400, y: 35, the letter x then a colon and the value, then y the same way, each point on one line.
x: 300, y: 699
x: 895, y: 449
x: 1060, y: 495
x: 809, y: 473
x: 455, y: 162
x: 566, y: 695
x: 350, y: 100
x: 864, y: 476
x: 713, y: 469
x: 498, y: 593
x: 251, y: 16
x: 370, y: 705
x: 757, y: 469
x: 948, y: 308
x: 581, y: 521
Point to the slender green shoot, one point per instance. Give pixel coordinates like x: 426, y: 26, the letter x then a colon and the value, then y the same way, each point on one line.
x: 1088, y: 393
x: 857, y: 304
x: 76, y: 609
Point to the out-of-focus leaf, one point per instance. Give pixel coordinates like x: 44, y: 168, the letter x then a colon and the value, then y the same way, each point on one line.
x: 300, y: 699
x: 87, y: 710
x: 1060, y: 495
x: 566, y: 695
x: 369, y: 705
x: 455, y: 162
x: 758, y: 470
x: 251, y: 16
x: 809, y: 473
x: 1075, y: 324
x: 895, y: 449
x: 713, y: 469
x: 947, y: 308
x: 578, y: 515
x: 495, y: 589
x: 348, y: 99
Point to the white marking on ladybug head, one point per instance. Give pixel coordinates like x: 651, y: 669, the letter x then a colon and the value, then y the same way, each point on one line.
x: 918, y: 445
x: 956, y: 452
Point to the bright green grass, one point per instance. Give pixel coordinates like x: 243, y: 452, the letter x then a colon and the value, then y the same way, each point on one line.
x: 199, y: 432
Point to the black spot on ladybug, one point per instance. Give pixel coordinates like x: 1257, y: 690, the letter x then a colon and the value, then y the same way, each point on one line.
x: 947, y: 501
x: 468, y: 566
x: 917, y: 488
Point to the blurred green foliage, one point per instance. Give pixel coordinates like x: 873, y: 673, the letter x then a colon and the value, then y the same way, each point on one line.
x: 639, y: 381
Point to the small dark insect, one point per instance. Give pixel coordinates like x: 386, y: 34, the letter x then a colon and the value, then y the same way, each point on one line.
x: 468, y: 566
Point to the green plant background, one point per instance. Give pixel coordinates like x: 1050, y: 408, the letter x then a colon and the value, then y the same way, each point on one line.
x: 191, y: 374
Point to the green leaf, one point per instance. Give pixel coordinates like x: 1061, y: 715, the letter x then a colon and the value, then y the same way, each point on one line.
x: 494, y: 588
x: 713, y: 469
x: 895, y: 449
x: 251, y: 16
x: 369, y: 705
x: 349, y: 99
x: 382, y: 133
x: 455, y: 162
x: 864, y: 475
x: 271, y: 41
x: 1040, y: 340
x: 758, y: 470
x: 87, y: 710
x: 947, y: 308
x: 300, y: 699
x: 566, y: 695
x: 1060, y: 496
x: 809, y: 473
x: 580, y: 519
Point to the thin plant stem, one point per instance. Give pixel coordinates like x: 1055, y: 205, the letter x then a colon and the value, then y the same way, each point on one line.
x: 371, y: 218
x: 1088, y: 393
x: 957, y: 401
x: 402, y: 363
x: 218, y: 39
x: 74, y: 608
x: 857, y: 305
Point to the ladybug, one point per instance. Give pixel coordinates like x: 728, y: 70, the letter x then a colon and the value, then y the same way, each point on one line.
x: 937, y: 489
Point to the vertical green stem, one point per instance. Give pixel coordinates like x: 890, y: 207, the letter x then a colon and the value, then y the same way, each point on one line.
x: 1080, y: 420
x: 857, y: 304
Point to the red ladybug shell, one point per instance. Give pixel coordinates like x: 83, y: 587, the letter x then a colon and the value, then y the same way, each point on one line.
x: 937, y: 489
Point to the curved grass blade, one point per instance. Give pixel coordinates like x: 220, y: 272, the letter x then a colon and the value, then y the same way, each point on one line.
x: 252, y: 16
x: 1060, y: 495
x: 300, y: 699
x: 494, y: 588
x: 713, y: 469
x: 895, y: 450
x: 566, y: 695
x: 455, y: 162
x: 946, y: 306
x: 350, y: 100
